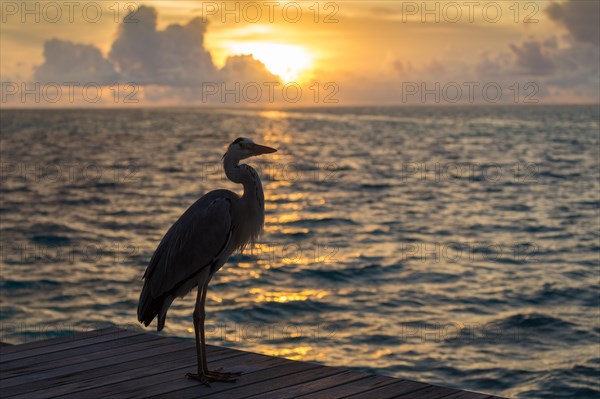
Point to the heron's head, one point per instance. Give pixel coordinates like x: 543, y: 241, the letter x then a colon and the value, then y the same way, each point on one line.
x: 243, y: 148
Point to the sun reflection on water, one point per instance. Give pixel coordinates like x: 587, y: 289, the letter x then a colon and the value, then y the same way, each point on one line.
x: 286, y: 296
x: 297, y: 353
x: 289, y: 217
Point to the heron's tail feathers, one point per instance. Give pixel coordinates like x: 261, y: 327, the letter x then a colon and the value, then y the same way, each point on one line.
x: 149, y: 307
x: 162, y: 315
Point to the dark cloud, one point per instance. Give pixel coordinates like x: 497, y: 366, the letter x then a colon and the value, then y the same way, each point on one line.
x: 578, y: 68
x: 565, y: 65
x: 571, y: 67
x: 580, y: 17
x: 73, y: 62
x: 531, y: 59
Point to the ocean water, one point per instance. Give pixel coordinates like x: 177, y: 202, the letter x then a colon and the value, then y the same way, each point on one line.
x: 452, y: 245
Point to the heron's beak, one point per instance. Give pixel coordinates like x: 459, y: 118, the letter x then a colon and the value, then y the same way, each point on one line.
x: 258, y: 149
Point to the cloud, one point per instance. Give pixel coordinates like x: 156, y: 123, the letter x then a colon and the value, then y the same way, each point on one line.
x: 578, y: 68
x: 530, y: 58
x: 173, y: 57
x: 580, y: 18
x: 559, y: 66
x: 166, y: 66
x: 494, y: 65
x: 243, y: 79
x: 66, y: 61
x: 574, y: 67
x: 244, y: 69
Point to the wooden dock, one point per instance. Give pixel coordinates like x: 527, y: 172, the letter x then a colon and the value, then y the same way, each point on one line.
x: 120, y: 363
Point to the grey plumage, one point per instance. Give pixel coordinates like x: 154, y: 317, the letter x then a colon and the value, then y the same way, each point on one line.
x: 190, y: 245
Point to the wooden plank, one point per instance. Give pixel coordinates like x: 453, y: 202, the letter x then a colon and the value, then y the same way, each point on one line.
x: 367, y: 384
x: 322, y: 382
x: 58, y: 340
x: 183, y: 361
x: 391, y: 391
x: 76, y: 376
x: 270, y: 377
x: 72, y: 360
x: 429, y: 392
x: 280, y: 382
x: 263, y: 373
x: 69, y: 373
x: 66, y: 345
x: 118, y: 363
x: 247, y: 363
x: 468, y: 395
x: 72, y: 355
x: 171, y: 378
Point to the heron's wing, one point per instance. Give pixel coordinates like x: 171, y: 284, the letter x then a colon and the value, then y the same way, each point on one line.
x: 191, y: 244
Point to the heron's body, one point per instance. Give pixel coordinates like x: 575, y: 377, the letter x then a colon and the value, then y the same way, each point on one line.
x: 200, y: 242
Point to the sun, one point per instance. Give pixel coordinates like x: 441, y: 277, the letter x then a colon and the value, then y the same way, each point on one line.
x: 290, y: 62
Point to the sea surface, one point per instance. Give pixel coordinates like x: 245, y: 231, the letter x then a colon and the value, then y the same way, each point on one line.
x: 451, y: 245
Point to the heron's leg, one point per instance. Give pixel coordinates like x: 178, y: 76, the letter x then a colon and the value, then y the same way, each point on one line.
x: 214, y: 375
x: 202, y: 335
x: 199, y: 316
x: 204, y: 375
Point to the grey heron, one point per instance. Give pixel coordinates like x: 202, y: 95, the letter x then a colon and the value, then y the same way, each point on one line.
x: 200, y: 242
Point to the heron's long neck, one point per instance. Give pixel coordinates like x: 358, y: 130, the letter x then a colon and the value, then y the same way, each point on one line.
x: 247, y: 176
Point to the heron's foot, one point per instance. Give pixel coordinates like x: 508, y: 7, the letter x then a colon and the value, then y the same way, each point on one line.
x: 213, y: 376
x: 203, y: 378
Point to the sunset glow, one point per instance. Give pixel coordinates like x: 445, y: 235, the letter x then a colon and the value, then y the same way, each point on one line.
x: 288, y: 61
x: 345, y: 53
